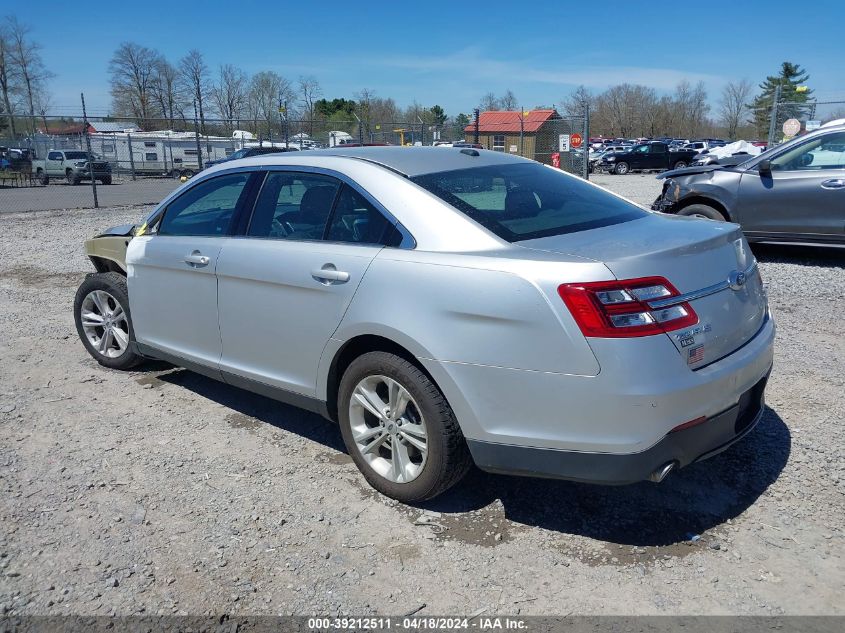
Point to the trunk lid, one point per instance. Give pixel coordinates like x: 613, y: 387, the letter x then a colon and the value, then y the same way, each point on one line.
x: 696, y: 256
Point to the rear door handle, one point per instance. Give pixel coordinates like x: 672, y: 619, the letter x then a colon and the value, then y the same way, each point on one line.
x: 328, y: 275
x: 196, y: 259
x: 834, y: 183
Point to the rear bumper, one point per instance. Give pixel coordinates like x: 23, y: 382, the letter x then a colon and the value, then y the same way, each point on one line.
x: 678, y: 448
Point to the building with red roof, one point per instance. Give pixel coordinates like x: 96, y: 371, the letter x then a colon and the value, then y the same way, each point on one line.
x: 528, y: 134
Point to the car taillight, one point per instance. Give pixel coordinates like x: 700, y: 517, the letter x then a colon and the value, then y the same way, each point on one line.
x: 619, y: 309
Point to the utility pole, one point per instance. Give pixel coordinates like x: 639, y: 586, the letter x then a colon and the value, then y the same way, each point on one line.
x: 287, y: 139
x: 521, y: 132
x: 585, y: 167
x: 477, y: 116
x: 197, y: 137
x: 88, y: 147
x: 773, y: 124
x: 283, y: 107
x: 360, y: 129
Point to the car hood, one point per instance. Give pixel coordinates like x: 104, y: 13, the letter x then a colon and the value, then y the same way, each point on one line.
x: 119, y: 230
x: 688, y: 171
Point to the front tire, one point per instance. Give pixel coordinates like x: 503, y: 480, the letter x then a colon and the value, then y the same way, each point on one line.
x: 72, y: 178
x: 42, y: 177
x: 103, y: 320
x: 702, y: 211
x: 106, y: 180
x: 399, y: 429
x: 621, y: 168
x: 679, y: 165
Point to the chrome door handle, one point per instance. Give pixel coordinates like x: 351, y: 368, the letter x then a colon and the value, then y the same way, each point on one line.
x: 328, y: 274
x: 834, y: 183
x: 196, y: 259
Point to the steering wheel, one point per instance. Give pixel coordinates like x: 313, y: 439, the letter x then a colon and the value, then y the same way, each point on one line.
x: 281, y: 228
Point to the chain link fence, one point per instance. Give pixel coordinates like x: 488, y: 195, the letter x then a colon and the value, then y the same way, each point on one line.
x: 61, y: 162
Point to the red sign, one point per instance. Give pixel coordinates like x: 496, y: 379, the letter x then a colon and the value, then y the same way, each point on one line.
x: 575, y: 140
x: 556, y: 160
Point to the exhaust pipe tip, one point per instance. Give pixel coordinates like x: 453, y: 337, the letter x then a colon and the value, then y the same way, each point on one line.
x: 660, y: 474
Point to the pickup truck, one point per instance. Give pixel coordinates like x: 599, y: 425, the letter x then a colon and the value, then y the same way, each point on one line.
x: 645, y: 156
x: 71, y: 164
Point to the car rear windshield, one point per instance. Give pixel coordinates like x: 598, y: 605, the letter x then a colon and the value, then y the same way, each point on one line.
x: 76, y: 155
x: 528, y: 201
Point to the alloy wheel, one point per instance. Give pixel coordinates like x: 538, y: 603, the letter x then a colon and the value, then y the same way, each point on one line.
x: 388, y: 428
x: 105, y: 324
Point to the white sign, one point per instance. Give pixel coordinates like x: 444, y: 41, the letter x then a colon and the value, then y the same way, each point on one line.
x: 813, y: 125
x: 563, y: 141
x: 791, y: 127
x: 513, y: 149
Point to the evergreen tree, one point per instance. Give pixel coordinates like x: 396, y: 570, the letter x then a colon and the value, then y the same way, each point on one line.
x: 792, y: 102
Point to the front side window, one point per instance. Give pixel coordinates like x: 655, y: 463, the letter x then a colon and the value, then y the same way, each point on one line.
x: 528, y: 201
x: 357, y: 221
x: 499, y: 143
x: 205, y: 209
x: 822, y: 152
x: 293, y: 206
x: 641, y: 149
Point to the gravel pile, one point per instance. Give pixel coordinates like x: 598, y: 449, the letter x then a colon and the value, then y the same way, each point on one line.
x: 160, y: 491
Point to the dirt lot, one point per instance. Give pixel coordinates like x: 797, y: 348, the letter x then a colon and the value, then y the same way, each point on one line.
x: 159, y: 491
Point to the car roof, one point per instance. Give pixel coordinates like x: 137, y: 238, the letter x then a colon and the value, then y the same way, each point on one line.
x: 416, y: 161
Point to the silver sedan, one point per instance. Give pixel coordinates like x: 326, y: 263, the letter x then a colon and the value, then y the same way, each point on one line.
x: 445, y: 307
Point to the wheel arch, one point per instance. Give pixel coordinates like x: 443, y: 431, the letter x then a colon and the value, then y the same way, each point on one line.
x: 104, y: 265
x: 710, y: 202
x: 352, y: 349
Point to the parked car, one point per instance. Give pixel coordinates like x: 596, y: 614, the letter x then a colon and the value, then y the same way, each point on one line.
x: 705, y: 158
x: 246, y: 152
x: 792, y: 193
x: 71, y: 165
x: 652, y: 155
x: 446, y: 306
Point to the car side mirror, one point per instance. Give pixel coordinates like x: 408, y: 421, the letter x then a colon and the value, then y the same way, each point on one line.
x: 764, y: 167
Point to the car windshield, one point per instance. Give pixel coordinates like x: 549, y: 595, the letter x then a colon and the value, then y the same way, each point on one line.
x: 528, y: 201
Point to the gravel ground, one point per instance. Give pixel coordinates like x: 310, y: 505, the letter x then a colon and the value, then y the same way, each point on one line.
x: 160, y: 491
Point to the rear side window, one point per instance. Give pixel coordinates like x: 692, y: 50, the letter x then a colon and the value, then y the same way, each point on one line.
x: 528, y: 201
x: 205, y: 209
x: 356, y: 220
x: 293, y: 206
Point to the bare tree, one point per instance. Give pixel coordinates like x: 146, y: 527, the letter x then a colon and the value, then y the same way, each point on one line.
x: 25, y: 55
x: 131, y: 70
x: 166, y: 91
x: 310, y: 91
x: 266, y: 89
x: 193, y: 75
x: 7, y: 78
x: 733, y: 108
x: 489, y: 103
x: 230, y: 93
x: 508, y: 101
x: 364, y: 108
x: 577, y: 102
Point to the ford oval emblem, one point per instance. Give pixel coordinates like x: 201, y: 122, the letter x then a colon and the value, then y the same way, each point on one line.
x: 736, y: 280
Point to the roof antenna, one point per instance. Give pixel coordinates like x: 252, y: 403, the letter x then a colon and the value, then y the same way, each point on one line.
x: 470, y: 152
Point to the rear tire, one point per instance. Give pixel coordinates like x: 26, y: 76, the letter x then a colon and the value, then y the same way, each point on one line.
x: 103, y: 320
x: 426, y: 420
x: 702, y: 211
x: 622, y: 168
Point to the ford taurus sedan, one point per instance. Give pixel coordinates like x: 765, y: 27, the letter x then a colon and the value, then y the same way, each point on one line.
x: 446, y: 306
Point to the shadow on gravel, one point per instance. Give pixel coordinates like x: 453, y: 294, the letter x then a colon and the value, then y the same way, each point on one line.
x: 696, y: 498
x: 692, y: 500
x: 800, y: 255
x: 309, y: 425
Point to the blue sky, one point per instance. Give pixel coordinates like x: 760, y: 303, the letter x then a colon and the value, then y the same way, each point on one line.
x: 451, y: 53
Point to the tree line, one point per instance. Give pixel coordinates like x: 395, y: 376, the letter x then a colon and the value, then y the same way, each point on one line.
x: 633, y: 110
x: 147, y: 87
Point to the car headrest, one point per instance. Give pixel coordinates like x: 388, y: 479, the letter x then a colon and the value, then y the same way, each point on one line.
x: 521, y: 203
